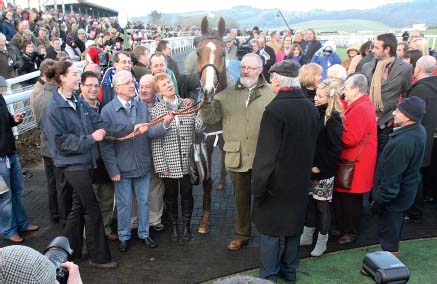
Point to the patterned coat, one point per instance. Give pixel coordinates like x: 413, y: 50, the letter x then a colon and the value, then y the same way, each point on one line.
x: 172, y: 153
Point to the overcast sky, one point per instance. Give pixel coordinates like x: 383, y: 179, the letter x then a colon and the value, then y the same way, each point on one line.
x: 136, y: 8
x: 139, y: 8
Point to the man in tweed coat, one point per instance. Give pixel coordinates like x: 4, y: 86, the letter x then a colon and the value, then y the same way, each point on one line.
x: 241, y: 108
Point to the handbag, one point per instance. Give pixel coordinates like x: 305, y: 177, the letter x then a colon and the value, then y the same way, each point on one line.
x: 345, y: 169
x: 199, y: 166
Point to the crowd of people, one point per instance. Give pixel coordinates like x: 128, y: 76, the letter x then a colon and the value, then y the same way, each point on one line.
x: 295, y: 111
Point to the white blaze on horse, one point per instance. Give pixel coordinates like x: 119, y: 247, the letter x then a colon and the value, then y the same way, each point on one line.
x: 211, y: 60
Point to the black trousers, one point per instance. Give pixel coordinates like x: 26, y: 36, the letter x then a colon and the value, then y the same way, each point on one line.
x: 65, y: 195
x: 51, y: 188
x: 318, y: 215
x: 429, y: 176
x: 86, y: 211
x: 172, y: 187
x: 390, y: 229
x: 416, y: 210
x: 347, y: 212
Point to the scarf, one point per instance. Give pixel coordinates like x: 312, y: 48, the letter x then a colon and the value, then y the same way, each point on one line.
x: 375, y: 86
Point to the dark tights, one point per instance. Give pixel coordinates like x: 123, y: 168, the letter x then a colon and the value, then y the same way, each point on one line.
x: 318, y: 214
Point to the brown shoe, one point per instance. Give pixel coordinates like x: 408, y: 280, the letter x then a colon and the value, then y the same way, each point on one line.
x: 395, y: 253
x: 237, y: 244
x: 16, y: 239
x: 31, y: 228
x: 347, y: 239
x: 112, y: 236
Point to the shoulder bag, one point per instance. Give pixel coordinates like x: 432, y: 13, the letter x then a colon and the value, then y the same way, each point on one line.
x: 345, y: 169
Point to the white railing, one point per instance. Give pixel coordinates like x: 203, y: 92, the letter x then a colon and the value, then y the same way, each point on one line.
x: 17, y: 99
x: 178, y: 44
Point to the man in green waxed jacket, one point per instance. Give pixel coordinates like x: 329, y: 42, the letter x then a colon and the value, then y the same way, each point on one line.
x: 241, y: 108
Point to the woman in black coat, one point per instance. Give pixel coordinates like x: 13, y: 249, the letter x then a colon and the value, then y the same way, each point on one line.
x: 329, y: 147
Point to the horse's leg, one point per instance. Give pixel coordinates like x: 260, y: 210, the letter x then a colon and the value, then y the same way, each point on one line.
x: 221, y: 185
x: 207, y: 187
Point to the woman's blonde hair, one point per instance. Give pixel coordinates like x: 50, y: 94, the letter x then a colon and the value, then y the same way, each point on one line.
x: 332, y: 88
x: 156, y: 79
x: 420, y: 44
x: 308, y: 73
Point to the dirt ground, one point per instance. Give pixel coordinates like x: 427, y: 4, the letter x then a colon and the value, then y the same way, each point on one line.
x: 28, y: 148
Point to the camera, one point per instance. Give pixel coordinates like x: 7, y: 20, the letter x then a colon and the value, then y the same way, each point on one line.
x: 58, y: 252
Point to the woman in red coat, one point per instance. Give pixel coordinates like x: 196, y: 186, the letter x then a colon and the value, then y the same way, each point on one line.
x: 360, y: 132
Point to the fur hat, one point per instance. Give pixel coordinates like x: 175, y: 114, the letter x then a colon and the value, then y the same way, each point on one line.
x: 21, y: 264
x: 413, y: 107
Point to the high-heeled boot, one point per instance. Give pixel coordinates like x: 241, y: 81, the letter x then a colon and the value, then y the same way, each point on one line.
x: 204, y: 223
x: 172, y: 211
x: 186, y: 213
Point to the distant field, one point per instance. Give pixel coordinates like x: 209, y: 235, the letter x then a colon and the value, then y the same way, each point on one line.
x: 348, y: 26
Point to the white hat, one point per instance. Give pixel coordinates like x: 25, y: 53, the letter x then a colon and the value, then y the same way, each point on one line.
x: 89, y: 43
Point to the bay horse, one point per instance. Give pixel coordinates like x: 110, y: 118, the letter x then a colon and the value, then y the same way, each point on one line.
x: 212, y: 72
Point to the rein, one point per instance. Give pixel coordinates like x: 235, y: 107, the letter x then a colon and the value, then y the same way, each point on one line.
x: 189, y: 110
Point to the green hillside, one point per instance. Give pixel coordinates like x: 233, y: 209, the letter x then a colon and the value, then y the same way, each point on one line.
x: 348, y: 26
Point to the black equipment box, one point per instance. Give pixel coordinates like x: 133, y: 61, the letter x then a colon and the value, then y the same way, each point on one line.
x: 385, y: 268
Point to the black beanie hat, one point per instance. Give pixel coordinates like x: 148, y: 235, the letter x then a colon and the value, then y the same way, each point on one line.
x: 413, y: 107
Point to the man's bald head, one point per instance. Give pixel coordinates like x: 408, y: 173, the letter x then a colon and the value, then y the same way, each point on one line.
x: 427, y: 63
x: 146, y: 93
x: 93, y: 68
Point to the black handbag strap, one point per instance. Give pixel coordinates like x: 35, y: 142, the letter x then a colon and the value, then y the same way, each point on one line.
x: 362, y: 146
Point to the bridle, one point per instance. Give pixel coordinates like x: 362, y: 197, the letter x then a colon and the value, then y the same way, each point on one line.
x: 217, y: 73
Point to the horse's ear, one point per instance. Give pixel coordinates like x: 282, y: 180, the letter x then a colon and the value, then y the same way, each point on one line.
x: 221, y: 27
x: 204, y: 26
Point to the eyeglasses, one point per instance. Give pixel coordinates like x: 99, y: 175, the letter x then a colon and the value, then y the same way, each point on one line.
x: 96, y: 86
x: 127, y: 83
x: 248, y: 68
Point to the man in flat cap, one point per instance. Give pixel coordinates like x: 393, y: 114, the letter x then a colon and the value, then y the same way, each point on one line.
x: 397, y: 174
x: 42, y: 38
x: 281, y: 173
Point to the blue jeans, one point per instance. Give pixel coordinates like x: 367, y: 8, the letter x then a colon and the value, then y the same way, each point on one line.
x: 279, y: 256
x: 12, y: 214
x: 123, y: 201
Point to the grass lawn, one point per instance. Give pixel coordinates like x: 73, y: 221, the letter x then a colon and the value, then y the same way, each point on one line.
x: 343, y: 267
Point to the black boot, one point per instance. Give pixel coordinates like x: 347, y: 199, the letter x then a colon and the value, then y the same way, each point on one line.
x: 172, y: 210
x: 187, y: 209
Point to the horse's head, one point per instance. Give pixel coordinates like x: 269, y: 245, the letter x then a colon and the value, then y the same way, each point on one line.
x: 210, y: 58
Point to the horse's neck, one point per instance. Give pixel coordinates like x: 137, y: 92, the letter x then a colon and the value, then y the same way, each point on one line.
x: 223, y: 80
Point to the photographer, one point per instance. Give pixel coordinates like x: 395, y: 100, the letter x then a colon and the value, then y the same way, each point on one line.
x: 21, y: 264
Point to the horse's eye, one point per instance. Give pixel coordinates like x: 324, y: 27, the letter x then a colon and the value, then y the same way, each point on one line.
x: 224, y: 54
x: 198, y: 53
